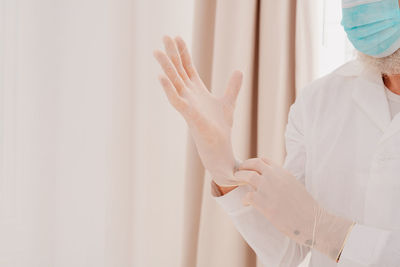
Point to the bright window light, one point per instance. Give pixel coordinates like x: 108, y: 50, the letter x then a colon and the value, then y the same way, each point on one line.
x: 335, y: 49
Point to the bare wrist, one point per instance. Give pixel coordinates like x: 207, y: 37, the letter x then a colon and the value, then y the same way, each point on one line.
x: 225, y: 190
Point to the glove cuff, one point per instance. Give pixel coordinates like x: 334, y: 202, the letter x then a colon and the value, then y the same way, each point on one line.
x: 345, y: 240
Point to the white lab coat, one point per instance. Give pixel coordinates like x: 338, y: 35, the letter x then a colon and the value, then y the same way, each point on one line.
x: 342, y: 143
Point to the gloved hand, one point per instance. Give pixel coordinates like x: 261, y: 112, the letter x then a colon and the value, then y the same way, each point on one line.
x: 287, y: 205
x: 209, y: 118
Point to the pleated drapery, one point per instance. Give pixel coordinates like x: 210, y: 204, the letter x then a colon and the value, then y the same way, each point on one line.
x: 95, y: 169
x: 272, y: 43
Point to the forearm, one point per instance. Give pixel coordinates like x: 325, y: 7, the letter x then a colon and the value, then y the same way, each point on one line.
x: 272, y: 247
x: 226, y: 189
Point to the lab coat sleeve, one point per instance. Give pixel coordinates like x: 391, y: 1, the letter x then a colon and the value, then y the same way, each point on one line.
x: 271, y: 246
x: 371, y: 247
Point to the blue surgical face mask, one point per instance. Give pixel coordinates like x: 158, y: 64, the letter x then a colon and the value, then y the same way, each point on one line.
x: 372, y: 26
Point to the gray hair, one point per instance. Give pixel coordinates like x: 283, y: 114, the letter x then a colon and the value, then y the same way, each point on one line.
x: 389, y: 65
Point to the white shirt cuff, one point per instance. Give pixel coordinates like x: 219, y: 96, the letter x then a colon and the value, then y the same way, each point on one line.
x: 231, y: 202
x: 364, y: 245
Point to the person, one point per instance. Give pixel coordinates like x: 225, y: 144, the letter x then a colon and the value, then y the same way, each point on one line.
x: 337, y: 193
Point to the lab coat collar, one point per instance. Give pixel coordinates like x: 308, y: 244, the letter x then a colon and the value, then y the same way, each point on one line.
x: 369, y: 93
x: 392, y: 129
x: 351, y: 68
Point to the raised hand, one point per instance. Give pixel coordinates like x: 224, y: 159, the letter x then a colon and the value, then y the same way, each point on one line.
x: 210, y: 118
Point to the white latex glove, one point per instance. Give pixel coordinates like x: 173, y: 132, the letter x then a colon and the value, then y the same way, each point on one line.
x: 209, y: 118
x: 287, y: 205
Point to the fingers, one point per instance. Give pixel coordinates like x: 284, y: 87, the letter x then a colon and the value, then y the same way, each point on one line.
x: 270, y: 162
x: 256, y: 164
x: 253, y: 199
x: 186, y: 59
x: 173, y: 55
x: 173, y: 97
x: 249, y: 177
x: 248, y: 199
x: 170, y: 71
x: 233, y: 88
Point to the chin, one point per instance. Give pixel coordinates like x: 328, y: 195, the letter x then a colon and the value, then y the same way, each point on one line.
x: 389, y: 65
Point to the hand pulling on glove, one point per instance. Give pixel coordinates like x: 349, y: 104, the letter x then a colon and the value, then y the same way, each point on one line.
x: 209, y: 117
x: 287, y: 205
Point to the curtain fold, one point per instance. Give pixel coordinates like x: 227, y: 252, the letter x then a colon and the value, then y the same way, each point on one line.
x: 272, y: 43
x: 93, y: 169
x: 203, y: 42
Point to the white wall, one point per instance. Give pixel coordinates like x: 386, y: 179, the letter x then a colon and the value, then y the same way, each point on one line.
x: 80, y: 121
x: 334, y: 47
x: 163, y: 130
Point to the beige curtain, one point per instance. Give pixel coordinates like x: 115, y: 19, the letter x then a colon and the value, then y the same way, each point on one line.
x: 92, y: 161
x: 272, y: 43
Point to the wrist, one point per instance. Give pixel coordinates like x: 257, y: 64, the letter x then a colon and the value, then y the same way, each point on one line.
x: 333, y: 233
x: 345, y: 239
x: 225, y: 189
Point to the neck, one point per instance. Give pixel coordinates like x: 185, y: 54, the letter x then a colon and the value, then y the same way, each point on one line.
x: 392, y: 82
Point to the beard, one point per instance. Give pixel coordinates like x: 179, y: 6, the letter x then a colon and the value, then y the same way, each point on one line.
x: 389, y: 65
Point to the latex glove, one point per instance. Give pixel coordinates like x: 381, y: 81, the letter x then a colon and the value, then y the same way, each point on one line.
x: 287, y: 205
x: 209, y: 117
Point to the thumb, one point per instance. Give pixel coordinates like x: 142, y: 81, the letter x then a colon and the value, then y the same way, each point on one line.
x: 233, y: 88
x: 247, y: 200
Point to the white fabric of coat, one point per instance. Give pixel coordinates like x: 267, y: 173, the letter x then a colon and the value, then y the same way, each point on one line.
x: 394, y: 102
x: 343, y: 144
